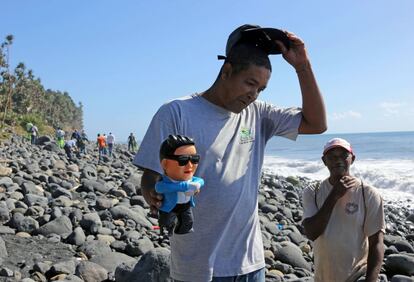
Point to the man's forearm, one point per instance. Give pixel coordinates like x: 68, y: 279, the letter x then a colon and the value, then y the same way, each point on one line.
x: 315, y: 225
x: 313, y: 107
x: 148, y: 181
x: 375, y: 256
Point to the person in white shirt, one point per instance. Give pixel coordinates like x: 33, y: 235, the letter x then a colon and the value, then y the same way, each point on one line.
x: 110, y: 140
x: 345, y: 219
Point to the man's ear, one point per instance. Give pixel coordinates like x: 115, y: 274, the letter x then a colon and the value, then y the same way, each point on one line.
x: 353, y: 159
x: 226, y: 71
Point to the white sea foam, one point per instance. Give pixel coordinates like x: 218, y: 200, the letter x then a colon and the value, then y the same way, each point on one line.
x: 394, y: 178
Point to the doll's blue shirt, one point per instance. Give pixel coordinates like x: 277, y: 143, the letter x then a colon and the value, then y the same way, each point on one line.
x: 170, y: 191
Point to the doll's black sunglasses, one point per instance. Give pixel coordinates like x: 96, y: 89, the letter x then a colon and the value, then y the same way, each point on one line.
x: 184, y: 159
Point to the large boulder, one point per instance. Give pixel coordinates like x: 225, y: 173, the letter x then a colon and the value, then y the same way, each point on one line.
x: 61, y: 225
x: 154, y: 266
x: 93, y: 185
x: 89, y: 172
x: 291, y: 254
x: 95, y: 248
x: 404, y: 246
x: 91, y: 222
x: 24, y: 223
x: 400, y: 264
x: 42, y: 140
x: 402, y: 278
x: 123, y: 212
x: 111, y: 260
x: 52, y: 147
x: 91, y: 272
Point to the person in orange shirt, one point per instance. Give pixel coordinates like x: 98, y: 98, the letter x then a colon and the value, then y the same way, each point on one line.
x: 101, y: 142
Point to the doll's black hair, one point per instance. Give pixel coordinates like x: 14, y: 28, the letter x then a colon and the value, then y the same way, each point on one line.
x: 173, y: 142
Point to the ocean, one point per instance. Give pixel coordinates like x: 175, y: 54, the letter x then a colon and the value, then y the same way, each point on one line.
x: 384, y: 160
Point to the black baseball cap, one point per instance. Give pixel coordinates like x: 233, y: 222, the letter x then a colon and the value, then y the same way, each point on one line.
x: 263, y: 37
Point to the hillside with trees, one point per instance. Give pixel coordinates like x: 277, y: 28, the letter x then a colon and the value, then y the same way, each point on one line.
x: 24, y: 99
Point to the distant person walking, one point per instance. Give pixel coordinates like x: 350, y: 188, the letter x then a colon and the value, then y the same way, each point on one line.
x: 29, y: 126
x: 110, y: 140
x: 60, y: 137
x: 69, y: 147
x: 75, y: 135
x: 105, y: 150
x: 85, y: 140
x: 33, y: 136
x: 101, y: 142
x: 132, y: 143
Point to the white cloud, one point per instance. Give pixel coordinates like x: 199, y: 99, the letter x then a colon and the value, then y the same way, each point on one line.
x: 346, y: 115
x: 391, y: 108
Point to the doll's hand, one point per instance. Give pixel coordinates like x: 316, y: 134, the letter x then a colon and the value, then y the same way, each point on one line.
x: 193, y: 186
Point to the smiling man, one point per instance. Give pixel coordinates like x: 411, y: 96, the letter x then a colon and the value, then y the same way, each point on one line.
x: 231, y: 129
x: 345, y: 219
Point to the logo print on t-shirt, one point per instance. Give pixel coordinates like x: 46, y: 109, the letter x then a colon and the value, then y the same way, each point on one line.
x: 246, y: 135
x: 351, y: 208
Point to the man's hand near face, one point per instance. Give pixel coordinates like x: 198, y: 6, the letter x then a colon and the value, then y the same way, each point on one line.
x: 343, y: 185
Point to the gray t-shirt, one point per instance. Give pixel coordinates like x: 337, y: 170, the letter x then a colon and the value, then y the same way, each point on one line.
x: 227, y: 240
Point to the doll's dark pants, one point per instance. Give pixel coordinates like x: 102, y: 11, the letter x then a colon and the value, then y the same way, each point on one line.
x: 181, y: 217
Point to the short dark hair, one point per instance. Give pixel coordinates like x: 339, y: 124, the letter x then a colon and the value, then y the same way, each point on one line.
x: 173, y: 142
x: 243, y: 55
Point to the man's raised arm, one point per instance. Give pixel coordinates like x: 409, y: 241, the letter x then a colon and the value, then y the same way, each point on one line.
x: 313, y: 108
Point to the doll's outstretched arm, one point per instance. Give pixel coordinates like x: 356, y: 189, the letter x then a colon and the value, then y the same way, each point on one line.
x: 198, y: 180
x: 195, y: 184
x: 168, y: 187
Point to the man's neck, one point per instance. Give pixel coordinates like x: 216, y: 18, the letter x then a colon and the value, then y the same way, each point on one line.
x: 214, y: 94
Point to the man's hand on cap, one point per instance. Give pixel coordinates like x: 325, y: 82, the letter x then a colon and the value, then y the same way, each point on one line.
x: 296, y: 55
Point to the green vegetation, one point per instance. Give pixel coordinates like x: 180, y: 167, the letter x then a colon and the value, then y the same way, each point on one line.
x: 24, y: 99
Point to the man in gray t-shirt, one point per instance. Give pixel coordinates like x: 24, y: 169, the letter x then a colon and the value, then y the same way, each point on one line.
x: 231, y: 130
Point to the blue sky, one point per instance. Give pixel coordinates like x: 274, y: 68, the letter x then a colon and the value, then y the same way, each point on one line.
x: 123, y: 59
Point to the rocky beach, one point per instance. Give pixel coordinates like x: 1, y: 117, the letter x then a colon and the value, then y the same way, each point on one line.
x: 85, y: 220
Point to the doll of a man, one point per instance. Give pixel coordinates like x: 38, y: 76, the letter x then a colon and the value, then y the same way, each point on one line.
x: 179, y: 160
